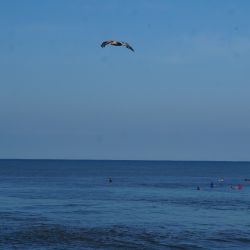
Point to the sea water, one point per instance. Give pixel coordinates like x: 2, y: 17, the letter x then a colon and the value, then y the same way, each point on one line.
x: 62, y: 204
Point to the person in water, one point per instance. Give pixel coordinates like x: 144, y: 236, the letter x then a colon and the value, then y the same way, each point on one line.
x: 212, y: 185
x: 247, y: 180
x: 110, y: 180
x: 237, y: 187
x: 198, y: 188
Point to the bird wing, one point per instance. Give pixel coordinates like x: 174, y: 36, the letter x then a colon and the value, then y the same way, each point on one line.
x: 106, y: 43
x: 127, y: 46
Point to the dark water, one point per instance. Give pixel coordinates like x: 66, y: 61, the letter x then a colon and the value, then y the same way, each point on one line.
x: 149, y: 205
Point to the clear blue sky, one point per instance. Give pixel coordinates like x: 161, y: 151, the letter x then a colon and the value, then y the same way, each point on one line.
x: 183, y: 95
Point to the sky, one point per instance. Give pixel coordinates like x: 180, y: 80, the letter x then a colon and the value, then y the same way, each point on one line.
x: 183, y: 95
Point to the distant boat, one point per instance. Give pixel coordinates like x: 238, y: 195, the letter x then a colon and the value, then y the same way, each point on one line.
x: 116, y: 43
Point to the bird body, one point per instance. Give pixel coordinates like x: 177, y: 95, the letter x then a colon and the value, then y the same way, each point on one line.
x: 116, y: 43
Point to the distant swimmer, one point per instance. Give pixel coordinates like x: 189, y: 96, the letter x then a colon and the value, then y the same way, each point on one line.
x: 247, y: 180
x: 212, y: 185
x: 237, y: 187
x: 110, y: 180
x: 116, y: 43
x: 198, y: 188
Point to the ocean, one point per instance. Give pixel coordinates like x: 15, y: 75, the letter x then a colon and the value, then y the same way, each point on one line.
x: 84, y: 204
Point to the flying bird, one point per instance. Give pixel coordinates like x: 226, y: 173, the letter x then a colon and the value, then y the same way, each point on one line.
x: 116, y: 43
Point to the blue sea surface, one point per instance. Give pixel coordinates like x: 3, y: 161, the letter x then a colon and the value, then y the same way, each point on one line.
x: 64, y: 204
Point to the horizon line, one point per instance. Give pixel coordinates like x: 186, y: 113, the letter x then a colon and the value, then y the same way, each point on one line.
x: 70, y: 159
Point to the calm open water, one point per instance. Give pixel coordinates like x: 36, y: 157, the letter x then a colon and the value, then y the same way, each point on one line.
x: 57, y: 204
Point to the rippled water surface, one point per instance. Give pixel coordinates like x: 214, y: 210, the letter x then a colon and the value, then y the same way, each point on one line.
x: 148, y: 205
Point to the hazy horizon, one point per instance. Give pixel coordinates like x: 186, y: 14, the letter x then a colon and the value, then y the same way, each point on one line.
x: 142, y: 160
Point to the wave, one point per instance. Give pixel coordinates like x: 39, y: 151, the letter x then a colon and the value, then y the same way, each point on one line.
x: 45, y: 236
x: 49, y: 236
